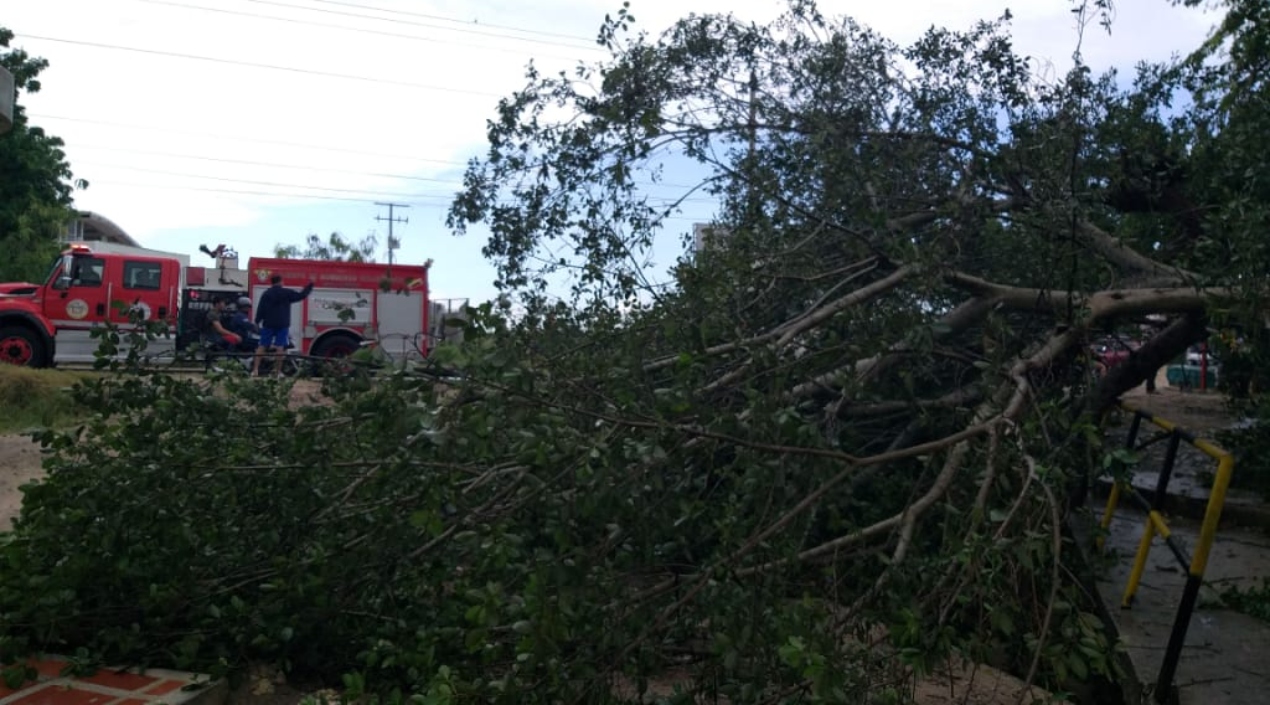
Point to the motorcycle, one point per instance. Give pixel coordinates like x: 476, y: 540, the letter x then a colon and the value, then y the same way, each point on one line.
x: 243, y: 356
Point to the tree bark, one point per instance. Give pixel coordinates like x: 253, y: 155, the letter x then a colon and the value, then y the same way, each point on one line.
x: 1146, y: 360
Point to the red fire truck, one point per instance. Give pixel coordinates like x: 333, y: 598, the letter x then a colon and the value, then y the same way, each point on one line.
x: 46, y: 324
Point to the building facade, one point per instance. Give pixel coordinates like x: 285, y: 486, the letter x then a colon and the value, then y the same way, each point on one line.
x: 706, y: 235
x: 94, y: 227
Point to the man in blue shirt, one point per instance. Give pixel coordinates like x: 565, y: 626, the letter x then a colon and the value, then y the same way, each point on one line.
x: 273, y: 315
x: 240, y: 323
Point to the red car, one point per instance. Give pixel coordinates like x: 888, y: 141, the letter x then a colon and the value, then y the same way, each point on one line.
x: 1112, y: 351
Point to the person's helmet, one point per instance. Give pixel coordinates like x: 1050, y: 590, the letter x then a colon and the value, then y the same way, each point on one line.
x: 244, y: 302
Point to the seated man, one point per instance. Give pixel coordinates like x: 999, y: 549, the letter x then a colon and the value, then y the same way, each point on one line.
x: 240, y: 324
x: 213, y: 329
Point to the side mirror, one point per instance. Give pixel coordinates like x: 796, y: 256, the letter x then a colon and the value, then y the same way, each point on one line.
x: 63, y: 281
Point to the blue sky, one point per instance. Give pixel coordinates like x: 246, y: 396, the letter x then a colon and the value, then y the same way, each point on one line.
x: 383, y: 100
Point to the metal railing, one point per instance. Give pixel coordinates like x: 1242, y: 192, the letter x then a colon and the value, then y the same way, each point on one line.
x: 1194, y: 565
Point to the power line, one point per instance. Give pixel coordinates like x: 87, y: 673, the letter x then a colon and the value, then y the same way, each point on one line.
x: 311, y: 196
x: 456, y: 20
x: 280, y: 143
x: 252, y: 140
x: 250, y: 64
x: 361, y: 30
x: 278, y: 165
x: 254, y: 192
x: 305, y: 167
x: 255, y: 182
x: 478, y: 32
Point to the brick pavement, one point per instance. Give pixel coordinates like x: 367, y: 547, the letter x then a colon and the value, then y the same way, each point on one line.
x: 112, y: 687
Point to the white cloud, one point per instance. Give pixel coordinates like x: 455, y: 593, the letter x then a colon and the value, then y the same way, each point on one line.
x: 432, y: 131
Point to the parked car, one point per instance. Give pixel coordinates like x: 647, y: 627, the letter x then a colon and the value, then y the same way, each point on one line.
x: 1194, y: 356
x: 1112, y: 351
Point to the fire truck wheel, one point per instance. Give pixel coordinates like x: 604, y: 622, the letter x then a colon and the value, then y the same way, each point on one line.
x: 21, y: 346
x: 335, y: 346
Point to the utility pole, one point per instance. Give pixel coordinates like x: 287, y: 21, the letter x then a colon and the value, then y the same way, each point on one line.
x: 392, y: 242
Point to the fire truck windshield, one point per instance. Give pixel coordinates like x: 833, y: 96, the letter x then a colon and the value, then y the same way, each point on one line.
x: 72, y: 271
x: 57, y: 262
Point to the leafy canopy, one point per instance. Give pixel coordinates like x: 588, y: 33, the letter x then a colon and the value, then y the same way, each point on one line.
x: 36, y: 182
x: 335, y: 247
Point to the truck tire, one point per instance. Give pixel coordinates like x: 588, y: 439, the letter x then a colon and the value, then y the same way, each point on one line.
x: 21, y: 346
x: 334, y: 348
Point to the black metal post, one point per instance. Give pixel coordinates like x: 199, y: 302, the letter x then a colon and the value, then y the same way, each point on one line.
x: 1134, y: 427
x: 1177, y: 638
x: 1166, y: 472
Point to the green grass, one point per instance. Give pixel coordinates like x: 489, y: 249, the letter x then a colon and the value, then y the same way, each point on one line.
x: 31, y: 399
x: 1253, y: 601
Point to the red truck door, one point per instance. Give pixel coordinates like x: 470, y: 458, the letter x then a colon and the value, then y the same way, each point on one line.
x: 146, y: 285
x: 80, y: 307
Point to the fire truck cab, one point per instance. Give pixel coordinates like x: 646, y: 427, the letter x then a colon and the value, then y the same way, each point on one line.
x: 43, y: 324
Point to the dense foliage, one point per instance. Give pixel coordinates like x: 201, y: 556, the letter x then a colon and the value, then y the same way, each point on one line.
x: 35, y: 180
x: 838, y: 452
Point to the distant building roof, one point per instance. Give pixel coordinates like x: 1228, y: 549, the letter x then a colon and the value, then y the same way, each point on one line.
x: 94, y: 227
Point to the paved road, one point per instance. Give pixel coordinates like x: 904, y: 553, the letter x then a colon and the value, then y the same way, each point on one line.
x: 1226, y: 657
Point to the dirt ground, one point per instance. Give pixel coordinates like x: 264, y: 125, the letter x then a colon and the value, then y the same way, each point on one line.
x: 19, y: 464
x: 1193, y: 410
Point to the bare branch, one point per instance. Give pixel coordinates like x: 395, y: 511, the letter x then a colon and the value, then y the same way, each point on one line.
x: 855, y: 298
x: 963, y: 316
x: 1127, y: 258
x: 951, y: 400
x: 786, y: 332
x: 1145, y: 361
x: 1056, y: 546
x: 1012, y: 297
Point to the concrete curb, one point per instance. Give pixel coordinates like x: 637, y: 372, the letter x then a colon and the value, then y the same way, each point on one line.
x: 1238, y: 513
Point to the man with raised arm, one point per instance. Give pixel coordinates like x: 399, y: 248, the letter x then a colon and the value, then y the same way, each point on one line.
x: 273, y: 315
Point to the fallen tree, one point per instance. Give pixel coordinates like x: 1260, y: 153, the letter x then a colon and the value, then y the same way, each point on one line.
x: 858, y: 414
